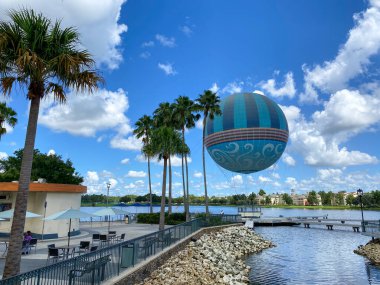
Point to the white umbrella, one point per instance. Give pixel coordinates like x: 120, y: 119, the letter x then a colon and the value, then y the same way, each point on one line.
x: 9, y: 214
x: 110, y: 212
x: 68, y: 215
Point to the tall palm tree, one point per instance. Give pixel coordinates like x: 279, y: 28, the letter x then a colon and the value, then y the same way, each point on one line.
x: 163, y: 116
x: 165, y: 141
x: 184, y: 116
x: 7, y: 115
x: 40, y: 55
x: 209, y: 104
x: 144, y: 130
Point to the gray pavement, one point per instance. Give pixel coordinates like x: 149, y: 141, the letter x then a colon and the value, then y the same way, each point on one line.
x: 38, y: 259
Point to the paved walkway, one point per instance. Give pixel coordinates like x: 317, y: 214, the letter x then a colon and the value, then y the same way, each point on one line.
x: 38, y: 259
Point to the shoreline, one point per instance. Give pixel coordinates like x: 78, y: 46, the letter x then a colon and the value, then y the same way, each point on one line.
x: 262, y: 206
x: 371, y: 251
x: 215, y: 258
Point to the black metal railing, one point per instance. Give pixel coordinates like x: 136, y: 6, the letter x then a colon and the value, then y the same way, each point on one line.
x: 93, y: 267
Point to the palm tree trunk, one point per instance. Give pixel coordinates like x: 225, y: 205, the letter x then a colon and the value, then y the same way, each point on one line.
x: 12, y: 262
x: 170, y: 188
x: 204, y: 164
x: 184, y: 186
x: 186, y: 201
x: 150, y: 188
x: 187, y: 191
x: 162, y: 213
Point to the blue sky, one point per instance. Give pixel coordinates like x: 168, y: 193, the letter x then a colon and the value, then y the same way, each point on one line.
x: 318, y: 59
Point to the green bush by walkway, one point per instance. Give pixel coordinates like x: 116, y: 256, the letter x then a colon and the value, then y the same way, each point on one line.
x: 173, y: 219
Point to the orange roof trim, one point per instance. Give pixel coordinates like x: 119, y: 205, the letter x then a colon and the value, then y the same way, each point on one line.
x: 45, y: 187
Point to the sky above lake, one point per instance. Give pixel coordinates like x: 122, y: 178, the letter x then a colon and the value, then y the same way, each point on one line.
x: 318, y: 59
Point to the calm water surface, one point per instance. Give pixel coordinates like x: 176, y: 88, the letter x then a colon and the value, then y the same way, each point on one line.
x: 311, y: 256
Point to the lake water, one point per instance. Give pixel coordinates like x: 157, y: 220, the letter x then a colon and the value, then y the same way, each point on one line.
x: 303, y: 256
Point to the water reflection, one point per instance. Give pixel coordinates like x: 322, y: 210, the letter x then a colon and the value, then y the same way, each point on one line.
x: 311, y: 256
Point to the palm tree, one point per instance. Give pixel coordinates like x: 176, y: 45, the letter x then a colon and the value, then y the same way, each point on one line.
x: 163, y: 116
x: 38, y: 54
x: 164, y: 142
x: 143, y: 130
x: 209, y: 104
x: 7, y: 115
x: 184, y: 116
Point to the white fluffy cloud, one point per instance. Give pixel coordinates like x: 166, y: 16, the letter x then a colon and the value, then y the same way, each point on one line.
x: 197, y: 174
x: 136, y: 174
x: 3, y: 155
x: 352, y: 59
x: 87, y: 114
x: 287, y: 159
x: 51, y: 152
x: 92, y: 177
x: 237, y: 180
x: 96, y: 22
x: 165, y: 41
x: 129, y: 143
x: 319, y: 140
x: 288, y: 87
x: 186, y: 30
x: 124, y: 161
x: 167, y: 68
x: 264, y: 179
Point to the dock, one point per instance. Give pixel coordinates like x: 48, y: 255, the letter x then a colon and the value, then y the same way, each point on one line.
x: 372, y: 226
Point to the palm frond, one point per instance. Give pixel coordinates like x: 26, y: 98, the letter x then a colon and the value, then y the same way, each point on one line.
x: 58, y: 92
x: 6, y: 84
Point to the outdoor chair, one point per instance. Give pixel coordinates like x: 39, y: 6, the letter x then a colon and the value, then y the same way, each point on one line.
x: 120, y: 238
x: 51, y: 245
x: 103, y: 239
x: 25, y: 247
x: 33, y: 243
x: 112, y: 232
x: 84, y: 247
x: 93, y: 248
x: 53, y: 254
x: 95, y: 238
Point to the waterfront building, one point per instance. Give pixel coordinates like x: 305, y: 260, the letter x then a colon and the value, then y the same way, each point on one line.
x: 44, y: 199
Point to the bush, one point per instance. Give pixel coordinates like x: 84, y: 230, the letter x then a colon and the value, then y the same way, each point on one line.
x: 173, y: 219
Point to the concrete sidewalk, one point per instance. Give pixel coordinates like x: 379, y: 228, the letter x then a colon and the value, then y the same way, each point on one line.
x: 38, y: 259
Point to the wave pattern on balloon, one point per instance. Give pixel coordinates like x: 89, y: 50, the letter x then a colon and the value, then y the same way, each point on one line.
x: 249, y: 136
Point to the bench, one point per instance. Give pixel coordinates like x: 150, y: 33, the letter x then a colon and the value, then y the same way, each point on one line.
x: 330, y: 227
x: 356, y: 229
x: 98, y: 264
x: 306, y: 225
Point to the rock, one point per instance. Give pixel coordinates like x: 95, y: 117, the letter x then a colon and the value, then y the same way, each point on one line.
x: 215, y: 258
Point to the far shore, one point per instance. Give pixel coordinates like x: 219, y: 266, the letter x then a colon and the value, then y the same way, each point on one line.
x: 262, y: 206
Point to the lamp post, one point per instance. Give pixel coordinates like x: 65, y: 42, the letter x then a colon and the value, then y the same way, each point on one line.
x: 108, y: 191
x: 360, y: 195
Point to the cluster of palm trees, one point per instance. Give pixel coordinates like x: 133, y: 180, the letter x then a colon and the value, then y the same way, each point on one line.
x: 163, y: 136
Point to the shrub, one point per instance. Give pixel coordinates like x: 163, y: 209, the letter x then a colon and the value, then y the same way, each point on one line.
x: 173, y: 219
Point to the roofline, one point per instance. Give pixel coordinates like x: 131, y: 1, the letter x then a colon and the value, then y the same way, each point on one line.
x: 44, y: 187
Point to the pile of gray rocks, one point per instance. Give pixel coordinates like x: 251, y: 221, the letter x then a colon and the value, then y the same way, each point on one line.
x: 216, y: 258
x: 371, y: 250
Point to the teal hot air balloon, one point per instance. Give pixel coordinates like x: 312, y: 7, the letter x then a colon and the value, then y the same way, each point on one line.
x: 249, y: 136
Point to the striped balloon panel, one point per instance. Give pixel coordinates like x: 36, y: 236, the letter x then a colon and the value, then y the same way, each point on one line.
x: 247, y: 110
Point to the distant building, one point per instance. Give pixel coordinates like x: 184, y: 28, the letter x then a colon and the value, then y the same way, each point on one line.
x: 58, y: 197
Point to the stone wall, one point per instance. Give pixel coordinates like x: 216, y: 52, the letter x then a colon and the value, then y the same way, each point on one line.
x: 144, y: 270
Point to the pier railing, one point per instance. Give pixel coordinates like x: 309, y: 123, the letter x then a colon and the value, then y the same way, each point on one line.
x: 110, y: 261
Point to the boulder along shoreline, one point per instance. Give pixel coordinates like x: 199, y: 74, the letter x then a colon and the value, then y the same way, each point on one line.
x: 371, y: 250
x: 215, y: 258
